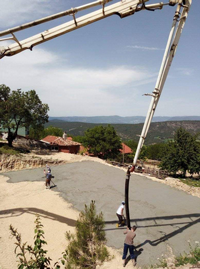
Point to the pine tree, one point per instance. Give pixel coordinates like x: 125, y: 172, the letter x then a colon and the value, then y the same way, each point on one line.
x: 87, y: 248
x: 103, y: 141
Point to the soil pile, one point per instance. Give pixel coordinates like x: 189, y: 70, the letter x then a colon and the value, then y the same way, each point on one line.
x: 18, y: 162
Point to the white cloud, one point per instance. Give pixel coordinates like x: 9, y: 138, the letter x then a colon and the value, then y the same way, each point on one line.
x: 143, y: 48
x: 19, y: 11
x: 73, y: 91
x: 185, y: 71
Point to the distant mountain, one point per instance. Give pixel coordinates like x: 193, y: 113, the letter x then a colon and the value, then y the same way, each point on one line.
x: 159, y: 131
x: 122, y: 120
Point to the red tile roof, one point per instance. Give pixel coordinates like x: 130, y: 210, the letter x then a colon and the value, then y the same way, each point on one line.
x: 125, y: 149
x: 56, y: 140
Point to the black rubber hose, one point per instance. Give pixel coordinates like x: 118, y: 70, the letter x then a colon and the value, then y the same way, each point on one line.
x: 127, y: 199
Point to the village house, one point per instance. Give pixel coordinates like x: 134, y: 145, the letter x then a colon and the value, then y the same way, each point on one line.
x: 62, y: 144
x: 125, y: 149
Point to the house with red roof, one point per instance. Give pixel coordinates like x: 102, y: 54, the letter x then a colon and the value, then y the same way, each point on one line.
x: 62, y: 144
x: 125, y: 149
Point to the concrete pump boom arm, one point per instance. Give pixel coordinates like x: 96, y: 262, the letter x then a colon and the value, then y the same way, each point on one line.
x: 173, y: 39
x: 122, y: 8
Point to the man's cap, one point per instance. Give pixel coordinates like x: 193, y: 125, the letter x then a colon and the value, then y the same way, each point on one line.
x: 123, y: 202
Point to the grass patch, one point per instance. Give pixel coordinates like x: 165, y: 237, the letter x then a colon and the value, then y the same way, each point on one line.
x: 9, y: 151
x: 191, y: 182
x: 192, y: 258
x: 162, y: 264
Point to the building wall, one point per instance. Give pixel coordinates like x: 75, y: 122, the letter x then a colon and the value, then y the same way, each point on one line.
x: 69, y: 149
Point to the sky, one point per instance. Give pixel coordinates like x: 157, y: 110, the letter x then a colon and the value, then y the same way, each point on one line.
x: 104, y: 68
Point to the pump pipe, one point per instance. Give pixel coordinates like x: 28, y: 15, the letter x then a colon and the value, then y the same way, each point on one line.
x: 172, y: 43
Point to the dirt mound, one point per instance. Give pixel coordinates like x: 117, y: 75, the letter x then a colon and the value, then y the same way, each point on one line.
x: 13, y: 162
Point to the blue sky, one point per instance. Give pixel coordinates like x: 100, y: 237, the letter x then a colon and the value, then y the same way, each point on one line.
x: 104, y: 68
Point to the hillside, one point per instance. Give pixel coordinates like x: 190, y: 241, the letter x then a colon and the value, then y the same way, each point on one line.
x: 158, y: 132
x: 122, y: 120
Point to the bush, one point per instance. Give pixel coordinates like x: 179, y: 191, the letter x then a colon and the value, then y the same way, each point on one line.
x: 37, y: 255
x: 192, y: 258
x: 87, y: 248
x: 8, y: 150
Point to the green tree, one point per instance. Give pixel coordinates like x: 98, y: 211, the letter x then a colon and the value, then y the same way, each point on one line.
x: 36, y: 133
x: 53, y: 131
x: 20, y: 109
x: 87, y: 248
x: 131, y: 144
x: 155, y: 152
x: 183, y: 154
x: 103, y: 141
x: 79, y: 139
x: 42, y: 132
x: 143, y: 154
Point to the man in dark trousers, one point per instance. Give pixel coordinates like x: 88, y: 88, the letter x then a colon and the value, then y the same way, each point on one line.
x: 128, y: 245
x: 48, y: 179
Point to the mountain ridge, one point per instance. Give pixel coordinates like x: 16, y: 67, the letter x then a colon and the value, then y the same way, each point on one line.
x: 159, y: 132
x: 115, y: 119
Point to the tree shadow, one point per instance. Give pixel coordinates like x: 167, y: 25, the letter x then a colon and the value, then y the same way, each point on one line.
x: 36, y: 211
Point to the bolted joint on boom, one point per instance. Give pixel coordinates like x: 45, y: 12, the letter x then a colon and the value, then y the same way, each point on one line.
x: 173, y: 2
x: 2, y: 52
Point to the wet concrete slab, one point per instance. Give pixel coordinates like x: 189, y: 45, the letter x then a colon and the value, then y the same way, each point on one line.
x: 164, y: 216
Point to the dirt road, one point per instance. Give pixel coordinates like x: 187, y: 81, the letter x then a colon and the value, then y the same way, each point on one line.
x: 165, y: 216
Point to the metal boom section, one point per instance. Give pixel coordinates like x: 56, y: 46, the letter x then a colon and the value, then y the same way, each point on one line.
x: 122, y: 8
x: 174, y: 36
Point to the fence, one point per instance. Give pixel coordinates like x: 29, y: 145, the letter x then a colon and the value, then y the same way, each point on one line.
x: 145, y: 169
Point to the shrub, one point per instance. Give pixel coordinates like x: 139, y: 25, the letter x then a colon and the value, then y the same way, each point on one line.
x: 87, y: 248
x: 8, y: 150
x: 37, y: 255
x: 192, y: 258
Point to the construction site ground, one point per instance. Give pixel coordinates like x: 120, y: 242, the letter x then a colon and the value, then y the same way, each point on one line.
x: 168, y: 219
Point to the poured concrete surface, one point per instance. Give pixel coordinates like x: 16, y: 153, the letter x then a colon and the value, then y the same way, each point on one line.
x: 164, y: 216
